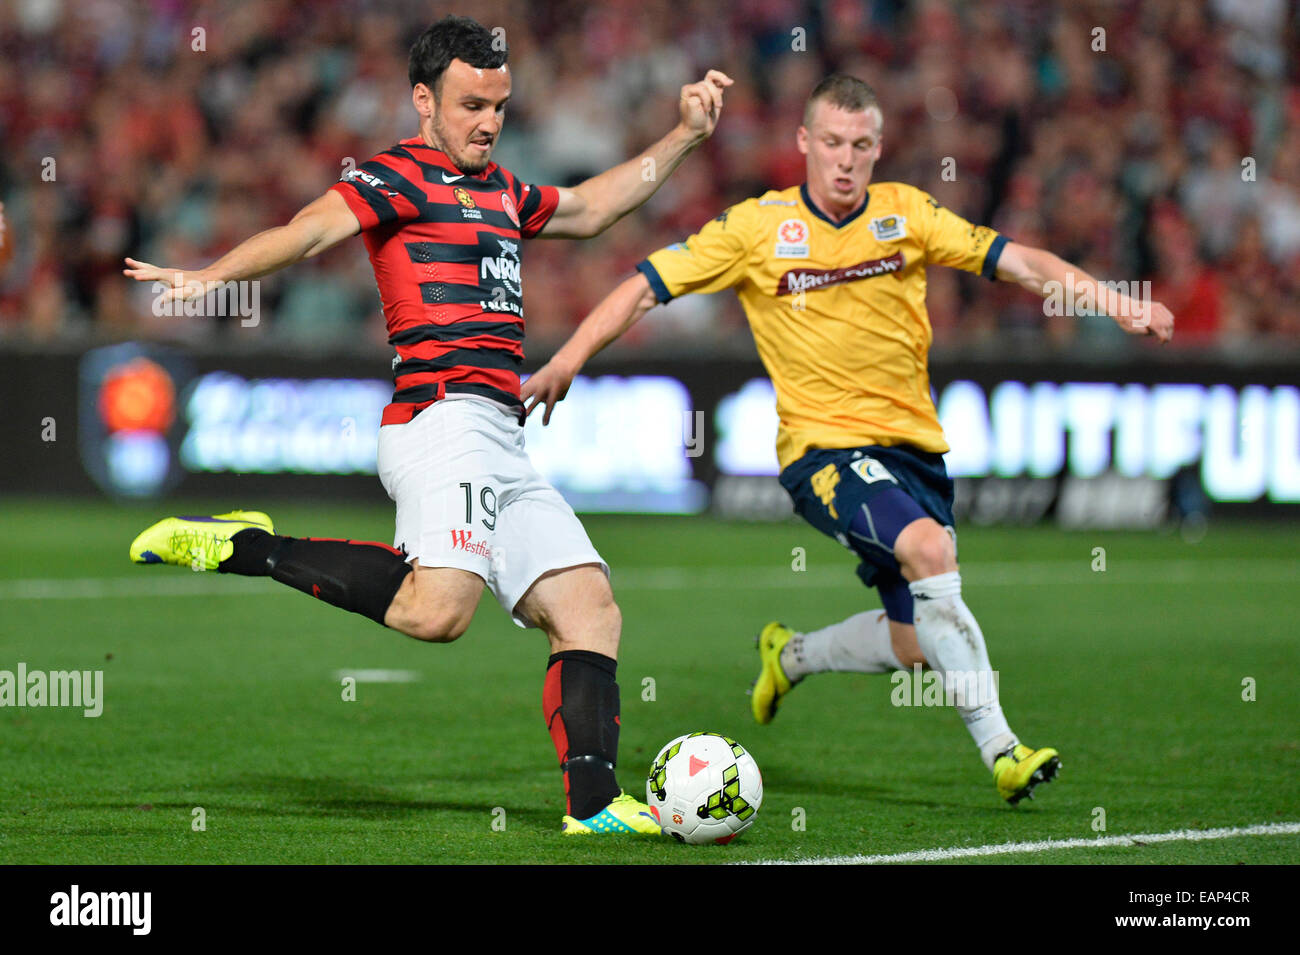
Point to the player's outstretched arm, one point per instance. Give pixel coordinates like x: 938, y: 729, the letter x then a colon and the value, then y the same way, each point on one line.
x: 317, y: 226
x: 593, y: 206
x: 620, y: 310
x: 1043, y: 273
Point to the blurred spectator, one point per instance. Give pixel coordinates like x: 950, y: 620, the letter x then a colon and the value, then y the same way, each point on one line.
x: 1156, y: 140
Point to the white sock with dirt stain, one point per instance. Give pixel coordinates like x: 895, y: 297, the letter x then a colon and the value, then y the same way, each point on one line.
x: 859, y: 644
x: 954, y: 647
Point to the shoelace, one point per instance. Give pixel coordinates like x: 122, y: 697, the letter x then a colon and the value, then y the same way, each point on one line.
x: 195, y: 543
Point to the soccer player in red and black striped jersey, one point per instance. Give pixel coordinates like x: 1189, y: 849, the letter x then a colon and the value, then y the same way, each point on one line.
x: 444, y: 227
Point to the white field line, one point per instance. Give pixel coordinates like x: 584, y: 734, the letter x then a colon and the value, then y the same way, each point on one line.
x: 183, y: 584
x: 165, y: 582
x: 378, y: 676
x: 1046, y: 845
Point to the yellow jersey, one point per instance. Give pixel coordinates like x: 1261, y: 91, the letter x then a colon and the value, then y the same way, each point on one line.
x: 837, y: 309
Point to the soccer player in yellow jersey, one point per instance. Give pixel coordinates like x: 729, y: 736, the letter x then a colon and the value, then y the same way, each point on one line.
x: 831, y: 275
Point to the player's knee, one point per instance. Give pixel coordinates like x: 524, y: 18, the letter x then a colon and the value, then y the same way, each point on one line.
x: 610, y: 617
x: 595, y: 624
x: 600, y: 616
x: 926, y: 552
x: 596, y: 602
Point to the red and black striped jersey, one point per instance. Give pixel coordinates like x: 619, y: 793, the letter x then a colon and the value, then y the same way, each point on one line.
x: 445, y: 247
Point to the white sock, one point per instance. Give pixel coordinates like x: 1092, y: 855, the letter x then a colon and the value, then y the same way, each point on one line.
x: 954, y: 647
x: 859, y: 644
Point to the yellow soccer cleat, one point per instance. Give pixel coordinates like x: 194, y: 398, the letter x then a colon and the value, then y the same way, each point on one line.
x: 1017, y: 771
x: 772, y: 683
x: 623, y: 816
x: 200, y: 543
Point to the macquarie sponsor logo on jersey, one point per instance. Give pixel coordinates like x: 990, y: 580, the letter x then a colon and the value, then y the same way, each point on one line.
x: 888, y: 228
x: 464, y: 541
x: 792, y: 239
x: 777, y: 202
x: 807, y: 280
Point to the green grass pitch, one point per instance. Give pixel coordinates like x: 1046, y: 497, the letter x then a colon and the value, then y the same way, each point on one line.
x: 223, y: 694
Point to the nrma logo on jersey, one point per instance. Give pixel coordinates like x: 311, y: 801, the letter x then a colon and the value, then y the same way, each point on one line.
x: 128, y: 430
x: 504, y: 268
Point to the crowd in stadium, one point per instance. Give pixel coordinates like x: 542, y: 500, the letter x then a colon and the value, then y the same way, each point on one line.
x: 1146, y: 141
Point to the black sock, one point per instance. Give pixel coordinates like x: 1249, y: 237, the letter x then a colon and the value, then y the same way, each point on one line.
x: 360, y: 576
x: 580, y: 703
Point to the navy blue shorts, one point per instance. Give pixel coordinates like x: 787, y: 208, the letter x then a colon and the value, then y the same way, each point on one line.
x: 863, y: 497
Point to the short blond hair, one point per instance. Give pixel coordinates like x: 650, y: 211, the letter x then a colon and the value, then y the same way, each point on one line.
x: 842, y: 91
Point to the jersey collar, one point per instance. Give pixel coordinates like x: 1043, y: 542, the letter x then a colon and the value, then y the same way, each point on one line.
x: 436, y: 157
x: 807, y: 201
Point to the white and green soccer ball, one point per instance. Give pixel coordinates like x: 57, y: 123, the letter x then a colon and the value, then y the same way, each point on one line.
x: 704, y: 787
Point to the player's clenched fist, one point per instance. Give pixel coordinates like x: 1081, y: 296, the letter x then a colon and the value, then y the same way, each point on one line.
x: 701, y: 103
x: 1147, y: 318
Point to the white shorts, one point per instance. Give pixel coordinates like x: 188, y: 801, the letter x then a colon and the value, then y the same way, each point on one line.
x: 468, y: 497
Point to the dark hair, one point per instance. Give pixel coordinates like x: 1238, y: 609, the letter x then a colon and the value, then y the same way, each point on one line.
x: 453, y: 38
x: 846, y: 92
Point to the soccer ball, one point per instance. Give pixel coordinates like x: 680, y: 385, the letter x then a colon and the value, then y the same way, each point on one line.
x: 704, y: 788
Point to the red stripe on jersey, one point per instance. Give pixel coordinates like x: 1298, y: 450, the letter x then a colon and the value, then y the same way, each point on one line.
x: 550, y: 198
x: 366, y: 216
x: 507, y: 381
x: 453, y: 273
x: 445, y: 316
x: 428, y: 350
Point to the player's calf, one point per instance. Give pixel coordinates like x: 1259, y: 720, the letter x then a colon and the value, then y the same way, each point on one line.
x: 902, y: 640
x: 359, y: 576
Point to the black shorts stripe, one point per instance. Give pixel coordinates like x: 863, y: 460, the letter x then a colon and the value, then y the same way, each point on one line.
x: 486, y: 391
x: 421, y: 393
